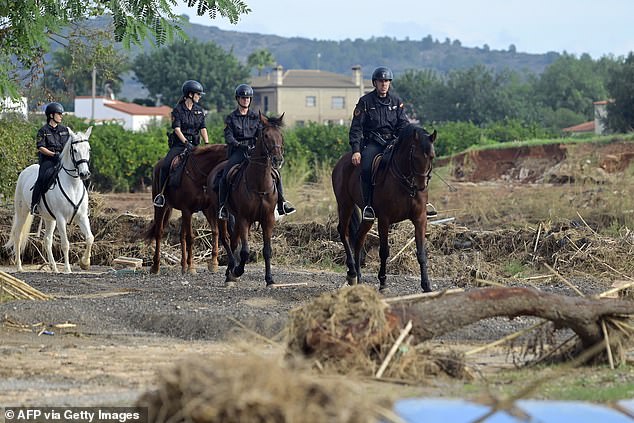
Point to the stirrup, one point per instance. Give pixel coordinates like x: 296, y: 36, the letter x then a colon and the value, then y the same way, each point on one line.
x: 35, y: 209
x: 159, y: 200
x: 431, y: 212
x: 368, y: 213
x: 223, y: 214
x: 287, y: 208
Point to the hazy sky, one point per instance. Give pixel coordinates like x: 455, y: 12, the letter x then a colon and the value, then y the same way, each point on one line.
x: 533, y: 26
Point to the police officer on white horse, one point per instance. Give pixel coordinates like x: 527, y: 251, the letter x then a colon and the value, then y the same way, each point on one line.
x: 51, y: 139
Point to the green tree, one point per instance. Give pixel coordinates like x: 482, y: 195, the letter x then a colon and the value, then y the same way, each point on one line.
x: 27, y: 27
x: 620, y: 108
x: 163, y: 71
x: 72, y: 66
x: 260, y: 59
x: 573, y: 84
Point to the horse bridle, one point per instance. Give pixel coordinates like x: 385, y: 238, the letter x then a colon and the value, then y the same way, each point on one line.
x: 268, y: 155
x: 409, y: 181
x: 76, y: 162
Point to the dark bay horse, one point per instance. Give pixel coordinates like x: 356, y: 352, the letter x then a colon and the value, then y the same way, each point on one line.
x: 400, y: 192
x: 252, y: 198
x: 190, y: 197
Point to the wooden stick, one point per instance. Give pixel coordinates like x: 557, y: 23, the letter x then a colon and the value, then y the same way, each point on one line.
x: 286, y: 285
x: 539, y: 231
x: 390, y: 354
x: 506, y: 338
x: 617, y: 289
x: 607, y: 344
x: 564, y: 280
x: 422, y: 295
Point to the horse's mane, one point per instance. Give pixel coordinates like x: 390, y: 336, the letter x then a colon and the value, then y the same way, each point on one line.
x: 72, y: 138
x: 276, y: 121
x: 412, y: 130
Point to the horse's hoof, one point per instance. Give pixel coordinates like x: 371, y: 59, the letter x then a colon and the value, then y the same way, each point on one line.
x: 192, y: 271
x: 230, y: 284
x: 270, y: 284
x: 238, y: 272
x: 84, y: 266
x: 383, y: 289
x: 212, y: 267
x: 154, y: 270
x: 352, y: 281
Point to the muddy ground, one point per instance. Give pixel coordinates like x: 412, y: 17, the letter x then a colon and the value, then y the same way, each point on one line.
x: 128, y: 326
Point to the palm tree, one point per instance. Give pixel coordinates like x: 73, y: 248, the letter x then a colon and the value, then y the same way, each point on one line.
x: 260, y: 59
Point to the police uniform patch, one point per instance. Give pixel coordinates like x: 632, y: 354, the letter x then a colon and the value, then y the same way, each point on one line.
x: 357, y: 111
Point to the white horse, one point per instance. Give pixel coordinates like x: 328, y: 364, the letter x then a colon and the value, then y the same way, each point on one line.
x: 66, y: 201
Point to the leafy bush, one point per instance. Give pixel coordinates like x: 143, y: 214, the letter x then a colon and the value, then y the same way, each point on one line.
x: 17, y: 151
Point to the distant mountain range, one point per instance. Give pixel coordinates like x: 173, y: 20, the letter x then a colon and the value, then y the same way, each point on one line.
x: 340, y: 56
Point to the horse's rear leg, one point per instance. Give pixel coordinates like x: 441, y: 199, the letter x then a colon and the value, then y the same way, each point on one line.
x: 213, y: 224
x: 230, y: 242
x: 84, y: 226
x: 345, y: 214
x: 48, y: 244
x: 364, y: 228
x: 187, y: 241
x: 243, y: 234
x: 161, y: 218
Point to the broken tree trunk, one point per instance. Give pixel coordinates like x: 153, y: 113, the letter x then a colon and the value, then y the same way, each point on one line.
x: 445, y: 314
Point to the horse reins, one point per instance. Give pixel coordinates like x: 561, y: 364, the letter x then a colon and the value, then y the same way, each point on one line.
x: 409, y: 181
x: 76, y: 164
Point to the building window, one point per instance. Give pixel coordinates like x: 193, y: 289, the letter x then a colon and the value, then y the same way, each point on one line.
x: 311, y: 101
x: 338, y: 102
x: 266, y: 104
x: 300, y: 123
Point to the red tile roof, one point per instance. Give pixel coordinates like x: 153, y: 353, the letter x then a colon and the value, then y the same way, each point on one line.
x: 582, y: 127
x: 135, y: 109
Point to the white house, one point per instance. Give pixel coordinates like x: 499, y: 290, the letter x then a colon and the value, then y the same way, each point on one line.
x: 132, y: 116
x: 10, y: 105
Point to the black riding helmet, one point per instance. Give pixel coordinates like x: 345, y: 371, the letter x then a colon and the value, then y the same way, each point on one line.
x: 192, y: 86
x: 382, y: 73
x: 51, y: 108
x: 244, y: 90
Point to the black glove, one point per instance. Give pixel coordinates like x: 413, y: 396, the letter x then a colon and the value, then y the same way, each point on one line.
x: 189, y: 146
x: 56, y: 156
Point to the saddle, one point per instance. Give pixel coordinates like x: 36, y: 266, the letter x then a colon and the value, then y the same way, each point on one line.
x: 380, y: 161
x: 176, y: 169
x: 232, y: 175
x: 49, y: 178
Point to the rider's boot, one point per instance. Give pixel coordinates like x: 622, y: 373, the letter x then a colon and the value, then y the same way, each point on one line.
x: 368, y: 211
x: 223, y: 194
x: 159, y: 200
x: 35, y: 199
x: 283, y: 206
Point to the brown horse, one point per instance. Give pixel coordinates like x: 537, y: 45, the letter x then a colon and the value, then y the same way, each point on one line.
x: 191, y: 196
x: 252, y: 198
x: 400, y: 192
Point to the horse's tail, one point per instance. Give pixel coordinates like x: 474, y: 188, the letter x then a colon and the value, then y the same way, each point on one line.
x: 19, y: 235
x: 151, y: 233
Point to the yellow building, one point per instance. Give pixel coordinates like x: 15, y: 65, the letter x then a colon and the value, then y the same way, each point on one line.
x: 309, y: 95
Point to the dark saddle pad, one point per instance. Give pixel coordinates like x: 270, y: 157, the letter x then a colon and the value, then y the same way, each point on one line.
x: 381, y: 160
x: 176, y: 169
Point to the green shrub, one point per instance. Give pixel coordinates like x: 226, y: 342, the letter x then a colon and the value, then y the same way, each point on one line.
x: 17, y: 151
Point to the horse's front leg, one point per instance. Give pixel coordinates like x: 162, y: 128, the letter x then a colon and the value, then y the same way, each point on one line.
x: 230, y: 239
x: 63, y: 236
x: 84, y: 226
x: 420, y: 228
x: 243, y: 234
x: 267, y: 232
x: 187, y: 241
x: 48, y: 244
x: 364, y: 228
x: 159, y: 223
x: 384, y: 252
x: 212, y: 266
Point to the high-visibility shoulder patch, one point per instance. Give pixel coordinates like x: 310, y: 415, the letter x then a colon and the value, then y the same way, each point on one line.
x: 400, y: 105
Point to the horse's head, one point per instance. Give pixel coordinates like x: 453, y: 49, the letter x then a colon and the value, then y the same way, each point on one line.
x: 270, y: 141
x: 76, y: 154
x: 414, y: 152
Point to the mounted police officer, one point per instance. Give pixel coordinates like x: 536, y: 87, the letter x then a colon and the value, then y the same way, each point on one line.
x: 188, y: 122
x: 378, y: 118
x: 241, y: 129
x: 51, y: 139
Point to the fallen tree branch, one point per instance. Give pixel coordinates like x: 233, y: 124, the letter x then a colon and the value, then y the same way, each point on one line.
x: 445, y: 314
